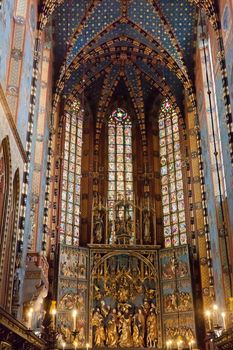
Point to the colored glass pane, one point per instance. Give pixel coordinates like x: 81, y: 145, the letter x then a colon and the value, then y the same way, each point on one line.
x: 171, y: 177
x: 119, y: 115
x: 120, y: 166
x: 71, y: 176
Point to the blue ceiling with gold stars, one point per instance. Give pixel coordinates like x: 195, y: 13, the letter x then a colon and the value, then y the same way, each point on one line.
x: 150, y: 41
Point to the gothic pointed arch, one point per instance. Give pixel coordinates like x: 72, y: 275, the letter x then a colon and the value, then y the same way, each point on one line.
x: 5, y: 205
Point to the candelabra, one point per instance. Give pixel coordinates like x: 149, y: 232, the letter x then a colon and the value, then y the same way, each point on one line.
x: 216, y: 324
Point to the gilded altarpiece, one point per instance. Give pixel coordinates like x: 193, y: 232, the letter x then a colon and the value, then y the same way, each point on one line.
x: 72, y: 294
x: 126, y: 296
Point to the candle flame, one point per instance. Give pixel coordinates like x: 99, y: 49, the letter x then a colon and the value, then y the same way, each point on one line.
x: 75, y: 313
x: 207, y: 313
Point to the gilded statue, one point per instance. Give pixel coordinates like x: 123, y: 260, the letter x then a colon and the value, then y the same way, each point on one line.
x: 139, y: 329
x: 126, y: 340
x: 152, y: 331
x: 111, y: 331
x: 146, y: 307
x: 124, y: 290
x: 141, y: 322
x: 97, y: 292
x: 136, y: 340
x: 146, y: 228
x: 99, y: 331
x: 98, y: 228
x: 104, y: 309
x: 81, y: 336
x: 129, y: 225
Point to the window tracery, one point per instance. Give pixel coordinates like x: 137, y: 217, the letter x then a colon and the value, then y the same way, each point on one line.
x: 120, y: 165
x: 71, y: 176
x: 171, y: 178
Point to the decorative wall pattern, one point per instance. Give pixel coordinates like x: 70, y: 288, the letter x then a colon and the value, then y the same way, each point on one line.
x: 171, y: 178
x: 17, y: 55
x: 6, y: 14
x: 24, y: 87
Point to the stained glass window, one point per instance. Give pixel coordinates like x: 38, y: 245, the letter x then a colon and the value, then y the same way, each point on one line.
x: 120, y: 165
x: 71, y: 176
x: 171, y: 178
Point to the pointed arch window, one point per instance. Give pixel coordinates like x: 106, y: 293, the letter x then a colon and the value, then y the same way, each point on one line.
x: 171, y: 177
x: 71, y: 176
x: 120, y: 164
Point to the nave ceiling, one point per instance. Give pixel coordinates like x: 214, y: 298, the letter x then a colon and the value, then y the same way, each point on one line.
x: 148, y: 44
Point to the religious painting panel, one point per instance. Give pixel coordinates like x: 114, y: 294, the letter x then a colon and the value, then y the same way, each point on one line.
x: 177, y: 297
x: 72, y: 295
x: 125, y: 299
x: 179, y: 331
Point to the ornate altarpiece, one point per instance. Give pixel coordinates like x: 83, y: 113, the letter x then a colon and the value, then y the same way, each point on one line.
x: 128, y: 296
x: 122, y: 289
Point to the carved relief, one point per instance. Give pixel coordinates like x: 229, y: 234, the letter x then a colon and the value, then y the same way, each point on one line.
x: 125, y: 301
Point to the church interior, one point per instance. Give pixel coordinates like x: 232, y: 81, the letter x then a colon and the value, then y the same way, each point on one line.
x: 116, y: 174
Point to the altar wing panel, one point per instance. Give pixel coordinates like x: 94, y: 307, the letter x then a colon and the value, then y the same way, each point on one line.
x: 72, y: 294
x: 177, y: 296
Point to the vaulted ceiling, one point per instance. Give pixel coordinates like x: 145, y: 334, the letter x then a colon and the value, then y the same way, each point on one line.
x: 147, y: 45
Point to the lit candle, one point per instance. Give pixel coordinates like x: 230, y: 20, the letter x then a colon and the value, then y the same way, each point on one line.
x: 54, y: 312
x: 167, y: 344
x: 223, y: 319
x: 63, y: 345
x: 30, y: 312
x: 215, y: 313
x: 87, y: 346
x: 208, y: 318
x: 75, y: 345
x: 170, y: 344
x: 191, y: 344
x: 74, y: 317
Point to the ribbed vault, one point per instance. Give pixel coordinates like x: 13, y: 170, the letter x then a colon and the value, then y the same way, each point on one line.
x: 145, y: 42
